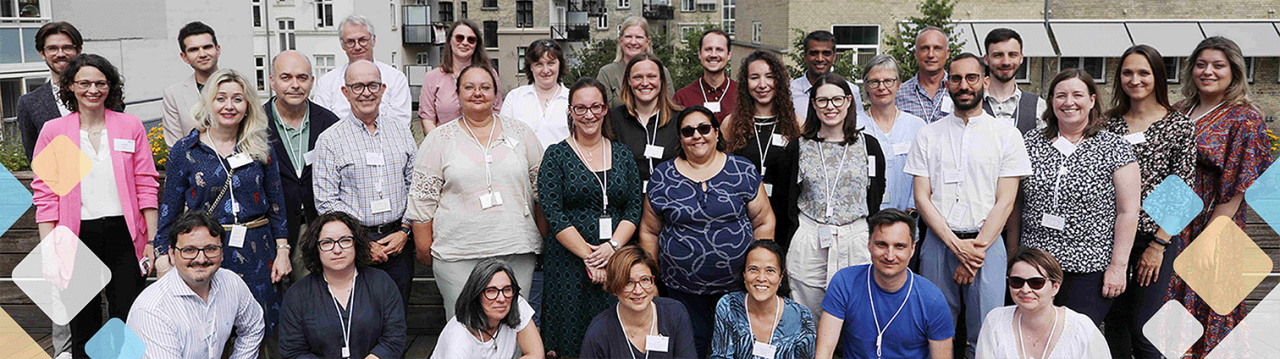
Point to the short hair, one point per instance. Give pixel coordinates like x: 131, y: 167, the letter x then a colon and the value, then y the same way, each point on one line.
x: 881, y: 62
x: 627, y: 24
x: 606, y: 127
x: 67, y: 94
x: 1044, y: 263
x: 784, y: 288
x: 891, y: 216
x: 1237, y: 92
x: 968, y: 55
x: 457, y: 83
x: 59, y: 27
x: 189, y: 221
x: 666, y: 106
x: 717, y: 31
x: 309, y: 244
x: 469, y: 309
x: 618, y: 271
x: 1095, y: 123
x: 194, y: 28
x: 1120, y: 101
x: 999, y: 35
x: 537, y: 50
x: 711, y: 116
x: 359, y: 20
x: 819, y: 36
x: 478, y: 56
x: 736, y: 137
x: 929, y: 28
x: 812, y: 124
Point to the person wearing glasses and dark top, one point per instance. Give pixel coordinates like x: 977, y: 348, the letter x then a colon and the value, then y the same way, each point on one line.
x: 703, y: 210
x: 543, y: 103
x: 641, y: 325
x: 438, y: 102
x: 589, y: 191
x: 191, y: 313
x: 644, y: 120
x: 493, y: 321
x: 1034, y: 327
x: 344, y: 308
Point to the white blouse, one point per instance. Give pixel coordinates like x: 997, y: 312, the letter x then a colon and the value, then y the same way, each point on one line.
x: 99, y: 196
x: 550, y: 123
x: 456, y: 342
x: 1079, y: 337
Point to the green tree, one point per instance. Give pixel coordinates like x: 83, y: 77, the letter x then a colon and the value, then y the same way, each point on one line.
x: 684, y: 65
x: 587, y: 60
x: 843, y: 64
x: 901, y: 43
x: 681, y: 60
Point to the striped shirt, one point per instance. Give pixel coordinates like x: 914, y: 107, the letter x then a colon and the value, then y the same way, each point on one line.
x: 929, y: 107
x: 175, y: 323
x: 349, y: 177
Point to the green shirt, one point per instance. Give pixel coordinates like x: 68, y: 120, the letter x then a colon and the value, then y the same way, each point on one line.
x: 295, y: 140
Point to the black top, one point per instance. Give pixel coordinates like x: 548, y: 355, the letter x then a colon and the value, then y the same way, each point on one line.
x: 628, y: 131
x: 776, y: 168
x: 299, y: 194
x: 605, y: 338
x: 309, y: 325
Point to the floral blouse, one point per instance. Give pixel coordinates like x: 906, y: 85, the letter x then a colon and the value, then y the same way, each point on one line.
x: 856, y: 193
x: 1167, y: 147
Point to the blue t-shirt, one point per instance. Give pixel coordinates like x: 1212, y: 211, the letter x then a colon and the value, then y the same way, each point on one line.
x: 925, y: 316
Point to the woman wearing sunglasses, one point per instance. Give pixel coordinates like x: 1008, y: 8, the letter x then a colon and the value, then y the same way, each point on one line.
x: 1034, y: 327
x: 839, y: 182
x: 650, y: 327
x: 542, y: 102
x: 344, y: 308
x: 438, y: 103
x: 704, y: 209
x: 493, y: 319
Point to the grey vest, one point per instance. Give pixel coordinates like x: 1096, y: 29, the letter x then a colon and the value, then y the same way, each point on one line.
x: 1025, y: 116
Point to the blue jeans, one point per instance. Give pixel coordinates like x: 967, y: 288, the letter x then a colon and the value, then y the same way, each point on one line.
x: 938, y: 265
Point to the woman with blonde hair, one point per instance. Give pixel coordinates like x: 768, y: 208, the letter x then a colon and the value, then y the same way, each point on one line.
x: 226, y: 167
x: 634, y: 38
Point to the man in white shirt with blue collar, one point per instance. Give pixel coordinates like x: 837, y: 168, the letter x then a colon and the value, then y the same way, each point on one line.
x: 819, y: 57
x: 358, y: 38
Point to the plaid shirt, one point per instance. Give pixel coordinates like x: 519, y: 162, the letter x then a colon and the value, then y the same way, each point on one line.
x: 914, y: 100
x: 344, y: 179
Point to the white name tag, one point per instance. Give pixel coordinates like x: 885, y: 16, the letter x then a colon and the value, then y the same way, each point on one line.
x: 654, y: 152
x: 1052, y: 221
x: 374, y: 159
x: 380, y: 206
x: 236, y: 239
x: 768, y: 189
x: 826, y: 235
x: 239, y: 160
x: 655, y: 343
x: 309, y: 158
x: 1066, y: 148
x: 763, y: 350
x: 953, y: 176
x: 778, y: 140
x: 947, y: 105
x: 871, y: 166
x: 644, y: 187
x: 511, y: 142
x: 346, y: 352
x: 123, y: 145
x: 901, y: 148
x: 606, y: 227
x: 1136, y: 138
x: 957, y: 214
x: 713, y: 106
x: 490, y: 200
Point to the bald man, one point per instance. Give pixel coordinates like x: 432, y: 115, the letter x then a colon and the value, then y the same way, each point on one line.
x: 294, y: 124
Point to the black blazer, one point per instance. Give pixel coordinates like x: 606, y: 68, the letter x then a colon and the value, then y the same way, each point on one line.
x: 789, y: 218
x: 299, y: 196
x: 34, y: 109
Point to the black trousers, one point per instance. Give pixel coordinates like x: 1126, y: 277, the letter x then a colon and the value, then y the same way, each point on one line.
x: 1082, y: 292
x: 109, y: 239
x: 399, y: 267
x: 1132, y: 309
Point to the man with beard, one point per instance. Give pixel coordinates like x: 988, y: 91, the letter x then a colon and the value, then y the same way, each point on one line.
x: 1005, y: 101
x: 190, y: 312
x: 714, y: 90
x: 819, y: 57
x: 924, y: 94
x: 199, y: 49
x: 967, y: 166
x: 293, y: 126
x: 57, y: 43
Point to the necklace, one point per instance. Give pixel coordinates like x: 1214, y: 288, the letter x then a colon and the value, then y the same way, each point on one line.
x: 1044, y: 354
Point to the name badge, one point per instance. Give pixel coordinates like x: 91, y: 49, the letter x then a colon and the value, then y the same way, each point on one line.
x: 953, y: 176
x: 236, y: 239
x: 957, y: 214
x: 778, y: 140
x: 947, y: 106
x: 901, y: 148
x: 826, y: 235
x: 1136, y: 138
x: 346, y: 352
x: 644, y: 187
x: 606, y: 227
x: 654, y: 152
x: 871, y: 166
x: 490, y: 200
x: 713, y: 106
x: 239, y: 160
x: 380, y: 206
x: 511, y: 142
x: 768, y: 189
x: 885, y: 198
x: 374, y: 159
x: 123, y: 145
x: 1052, y: 221
x: 763, y: 350
x: 655, y: 343
x: 309, y: 157
x: 1064, y: 147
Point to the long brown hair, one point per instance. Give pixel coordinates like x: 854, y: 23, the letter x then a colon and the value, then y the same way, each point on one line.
x: 478, y: 55
x: 667, y: 107
x: 1095, y: 123
x: 743, y: 126
x: 1237, y: 92
x: 1120, y: 101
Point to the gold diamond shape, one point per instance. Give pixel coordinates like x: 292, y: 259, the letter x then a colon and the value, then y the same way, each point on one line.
x: 61, y: 165
x: 1222, y: 265
x: 17, y: 343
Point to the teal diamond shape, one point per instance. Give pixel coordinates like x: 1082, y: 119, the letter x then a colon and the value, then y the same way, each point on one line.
x: 115, y: 341
x: 14, y: 200
x: 1173, y: 204
x: 1264, y: 195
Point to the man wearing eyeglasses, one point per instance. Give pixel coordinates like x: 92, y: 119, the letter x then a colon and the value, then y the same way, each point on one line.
x: 967, y: 166
x: 362, y: 167
x: 1005, y: 101
x: 819, y: 58
x: 924, y: 94
x: 199, y: 48
x: 714, y: 89
x: 190, y: 312
x: 357, y: 39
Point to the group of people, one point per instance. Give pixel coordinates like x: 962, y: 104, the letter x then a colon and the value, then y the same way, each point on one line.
x: 708, y: 221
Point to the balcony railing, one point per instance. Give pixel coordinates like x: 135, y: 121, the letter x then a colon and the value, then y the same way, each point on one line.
x: 571, y: 32
x: 417, y: 25
x: 594, y: 8
x: 659, y: 12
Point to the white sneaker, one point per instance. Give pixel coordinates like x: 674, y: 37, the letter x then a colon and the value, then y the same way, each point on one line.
x: 64, y: 355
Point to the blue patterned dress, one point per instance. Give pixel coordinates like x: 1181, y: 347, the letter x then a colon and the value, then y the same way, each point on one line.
x: 795, y: 336
x: 194, y: 177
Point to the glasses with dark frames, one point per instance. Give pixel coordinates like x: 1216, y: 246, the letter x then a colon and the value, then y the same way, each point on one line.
x: 1035, y: 283
x: 704, y: 129
x: 193, y: 252
x: 491, y: 293
x: 459, y: 38
x: 345, y: 242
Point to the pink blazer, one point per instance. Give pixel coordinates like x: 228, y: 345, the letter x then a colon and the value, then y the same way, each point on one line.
x: 136, y: 176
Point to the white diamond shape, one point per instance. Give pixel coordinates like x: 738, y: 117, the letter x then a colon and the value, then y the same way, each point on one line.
x: 1256, y: 336
x: 59, y: 288
x: 1173, y: 330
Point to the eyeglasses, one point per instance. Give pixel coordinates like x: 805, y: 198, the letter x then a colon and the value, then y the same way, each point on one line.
x: 878, y: 83
x: 491, y: 293
x: 359, y: 88
x: 349, y: 43
x: 704, y: 129
x: 459, y: 38
x: 1035, y: 283
x: 822, y: 102
x: 972, y: 79
x: 344, y: 242
x: 645, y: 282
x: 193, y: 252
x: 66, y: 49
x: 85, y: 85
x: 597, y: 108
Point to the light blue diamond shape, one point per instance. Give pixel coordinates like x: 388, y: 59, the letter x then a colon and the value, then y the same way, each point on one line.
x: 14, y: 200
x: 1173, y: 204
x: 1264, y: 195
x: 115, y: 341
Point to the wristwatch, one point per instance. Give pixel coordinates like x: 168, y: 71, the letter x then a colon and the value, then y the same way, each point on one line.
x: 1160, y: 241
x: 614, y: 244
x: 284, y: 246
x: 404, y: 229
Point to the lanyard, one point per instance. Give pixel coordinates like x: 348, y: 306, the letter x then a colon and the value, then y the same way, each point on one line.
x: 604, y: 185
x: 653, y: 326
x: 704, y: 90
x: 1067, y: 149
x: 763, y: 147
x: 235, y: 206
x: 831, y: 185
x: 346, y: 325
x: 298, y: 165
x: 484, y: 148
x: 880, y: 330
x: 777, y: 315
x: 1206, y: 113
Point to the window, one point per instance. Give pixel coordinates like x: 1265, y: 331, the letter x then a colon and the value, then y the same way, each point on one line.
x: 1248, y: 68
x: 756, y: 26
x: 1095, y: 66
x: 1171, y: 69
x: 464, y: 10
x: 324, y: 64
x: 10, y: 91
x: 1021, y: 76
x: 624, y: 4
x: 494, y: 62
x: 686, y: 5
x: 685, y: 30
x: 287, y: 39
x: 520, y: 52
x: 260, y: 69
x: 489, y: 5
x: 524, y: 13
x: 17, y: 45
x: 728, y: 15
x: 446, y: 11
x: 864, y: 40
x: 19, y: 8
x: 424, y: 58
x: 257, y: 13
x: 491, y: 34
x: 324, y: 13
x: 602, y: 22
x: 703, y: 7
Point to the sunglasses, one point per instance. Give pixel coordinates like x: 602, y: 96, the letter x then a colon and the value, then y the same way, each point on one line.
x: 1035, y: 283
x: 687, y: 131
x: 459, y: 38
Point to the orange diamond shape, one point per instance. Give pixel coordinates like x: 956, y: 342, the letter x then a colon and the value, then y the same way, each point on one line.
x: 1222, y: 265
x: 61, y: 165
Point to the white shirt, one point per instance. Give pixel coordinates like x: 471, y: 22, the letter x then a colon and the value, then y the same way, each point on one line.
x: 99, y: 196
x: 57, y: 98
x: 1079, y: 339
x: 175, y: 323
x: 800, y: 97
x: 456, y: 342
x: 964, y: 162
x: 551, y: 124
x: 1007, y: 110
x: 396, y: 100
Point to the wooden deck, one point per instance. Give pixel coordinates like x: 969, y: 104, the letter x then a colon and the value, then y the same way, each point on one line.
x: 420, y: 346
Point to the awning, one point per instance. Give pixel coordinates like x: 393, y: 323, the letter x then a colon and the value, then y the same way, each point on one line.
x: 1035, y: 38
x: 972, y: 44
x: 1091, y: 39
x: 1172, y: 39
x: 1255, y: 38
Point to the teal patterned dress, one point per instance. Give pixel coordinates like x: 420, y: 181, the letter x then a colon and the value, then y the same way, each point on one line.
x: 569, y: 194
